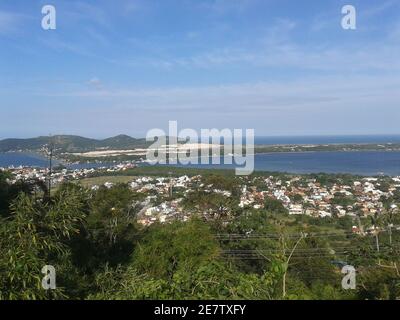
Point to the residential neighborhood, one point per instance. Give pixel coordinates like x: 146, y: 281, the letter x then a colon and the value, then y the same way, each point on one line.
x: 300, y: 195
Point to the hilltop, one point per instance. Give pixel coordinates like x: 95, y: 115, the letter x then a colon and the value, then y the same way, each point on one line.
x: 71, y: 143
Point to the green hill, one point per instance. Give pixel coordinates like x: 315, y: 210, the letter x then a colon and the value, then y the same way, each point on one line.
x: 70, y: 143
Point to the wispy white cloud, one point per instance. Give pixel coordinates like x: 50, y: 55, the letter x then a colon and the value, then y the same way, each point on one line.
x: 78, y: 12
x: 347, y: 104
x: 380, y: 7
x: 58, y: 44
x: 95, y: 83
x: 226, y: 6
x: 247, y: 97
x: 11, y: 22
x: 369, y: 57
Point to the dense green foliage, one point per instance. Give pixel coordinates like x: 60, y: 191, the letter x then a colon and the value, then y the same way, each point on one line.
x: 99, y: 251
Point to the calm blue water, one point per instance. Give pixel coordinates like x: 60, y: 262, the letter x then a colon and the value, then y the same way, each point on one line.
x: 361, y: 163
x: 22, y: 159
x: 328, y: 139
x: 17, y: 159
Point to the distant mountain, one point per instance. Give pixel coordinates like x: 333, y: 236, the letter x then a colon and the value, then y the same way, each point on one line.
x: 122, y: 141
x: 69, y: 143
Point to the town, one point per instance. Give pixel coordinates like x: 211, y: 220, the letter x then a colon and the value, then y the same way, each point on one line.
x: 165, y: 198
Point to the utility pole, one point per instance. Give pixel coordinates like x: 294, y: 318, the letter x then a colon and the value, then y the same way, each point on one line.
x: 377, y: 240
x: 50, y: 149
x: 375, y: 221
x: 170, y: 184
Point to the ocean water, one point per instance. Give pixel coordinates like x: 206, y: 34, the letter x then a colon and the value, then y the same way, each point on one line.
x: 17, y: 159
x: 362, y: 163
x: 366, y: 163
x: 327, y: 139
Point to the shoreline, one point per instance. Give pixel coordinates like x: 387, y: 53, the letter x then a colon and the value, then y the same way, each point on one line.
x: 367, y: 166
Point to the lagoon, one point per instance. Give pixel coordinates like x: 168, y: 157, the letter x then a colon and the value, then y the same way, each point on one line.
x: 368, y: 163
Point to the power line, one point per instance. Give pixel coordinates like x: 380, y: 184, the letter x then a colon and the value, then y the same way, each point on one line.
x: 304, y: 249
x: 233, y: 236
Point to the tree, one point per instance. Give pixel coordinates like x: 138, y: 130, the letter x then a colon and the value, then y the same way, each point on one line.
x: 10, y: 191
x: 34, y: 236
x: 274, y: 206
x: 166, y: 249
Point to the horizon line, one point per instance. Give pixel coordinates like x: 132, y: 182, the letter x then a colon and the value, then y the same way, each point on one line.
x: 256, y: 136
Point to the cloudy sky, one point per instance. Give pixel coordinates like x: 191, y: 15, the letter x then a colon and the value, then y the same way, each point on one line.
x: 281, y: 67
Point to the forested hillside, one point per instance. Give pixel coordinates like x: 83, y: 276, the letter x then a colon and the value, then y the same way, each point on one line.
x: 99, y: 251
x: 68, y: 143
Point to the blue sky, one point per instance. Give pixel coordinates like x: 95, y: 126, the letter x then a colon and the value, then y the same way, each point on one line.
x: 281, y: 67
